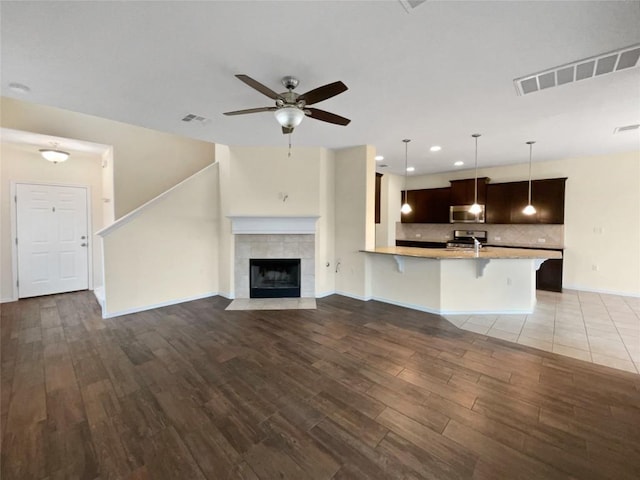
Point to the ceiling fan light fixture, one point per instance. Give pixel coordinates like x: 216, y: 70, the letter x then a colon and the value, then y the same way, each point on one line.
x: 54, y: 156
x: 289, y: 117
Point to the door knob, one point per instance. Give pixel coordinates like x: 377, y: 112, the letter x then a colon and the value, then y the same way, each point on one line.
x: 83, y: 244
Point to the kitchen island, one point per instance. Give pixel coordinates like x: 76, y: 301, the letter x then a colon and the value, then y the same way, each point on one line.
x: 453, y: 281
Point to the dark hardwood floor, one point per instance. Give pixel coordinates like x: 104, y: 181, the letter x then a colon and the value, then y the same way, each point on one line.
x: 350, y: 390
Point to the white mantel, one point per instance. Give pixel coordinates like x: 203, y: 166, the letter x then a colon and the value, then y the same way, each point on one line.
x: 273, y: 225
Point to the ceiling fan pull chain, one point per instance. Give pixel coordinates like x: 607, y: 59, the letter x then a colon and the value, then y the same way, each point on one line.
x: 289, y: 145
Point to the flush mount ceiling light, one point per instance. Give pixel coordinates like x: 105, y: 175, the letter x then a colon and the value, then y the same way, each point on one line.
x: 475, y: 208
x: 529, y: 209
x: 19, y: 87
x: 411, y: 169
x: 53, y: 154
x: 379, y: 158
x: 459, y: 163
x: 406, y: 208
x: 436, y: 148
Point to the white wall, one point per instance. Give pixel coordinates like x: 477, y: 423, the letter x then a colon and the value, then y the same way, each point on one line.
x: 167, y: 251
x: 602, y: 216
x: 20, y: 163
x: 262, y: 177
x: 265, y: 181
x: 146, y: 162
x: 325, y: 228
x: 354, y: 225
x: 389, y: 210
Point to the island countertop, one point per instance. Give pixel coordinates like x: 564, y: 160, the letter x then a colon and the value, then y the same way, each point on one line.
x: 448, y: 253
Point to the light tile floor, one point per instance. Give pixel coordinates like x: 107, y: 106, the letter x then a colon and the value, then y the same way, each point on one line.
x: 598, y: 328
x: 272, y: 304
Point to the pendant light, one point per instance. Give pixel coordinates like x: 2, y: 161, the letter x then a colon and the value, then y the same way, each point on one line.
x: 475, y: 208
x: 529, y: 209
x: 406, y: 208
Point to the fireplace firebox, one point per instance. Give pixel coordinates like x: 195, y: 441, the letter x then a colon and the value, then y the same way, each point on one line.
x: 274, y: 277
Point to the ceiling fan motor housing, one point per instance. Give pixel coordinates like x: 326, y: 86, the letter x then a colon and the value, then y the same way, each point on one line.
x: 290, y: 82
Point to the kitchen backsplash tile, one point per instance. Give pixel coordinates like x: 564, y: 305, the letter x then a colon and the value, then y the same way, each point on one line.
x: 543, y: 236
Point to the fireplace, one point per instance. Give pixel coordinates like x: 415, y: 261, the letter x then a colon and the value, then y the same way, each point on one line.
x: 274, y: 277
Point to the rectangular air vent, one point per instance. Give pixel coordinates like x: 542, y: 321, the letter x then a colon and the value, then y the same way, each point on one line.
x: 411, y: 4
x: 626, y: 128
x: 603, y: 64
x: 195, y: 118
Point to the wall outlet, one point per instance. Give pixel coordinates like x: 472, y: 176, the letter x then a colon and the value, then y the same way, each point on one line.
x: 597, y: 230
x: 497, y: 239
x: 542, y: 240
x: 595, y: 267
x: 418, y: 235
x: 509, y: 281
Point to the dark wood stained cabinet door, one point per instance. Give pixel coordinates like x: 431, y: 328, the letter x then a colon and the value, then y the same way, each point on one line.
x: 505, y: 201
x: 377, y: 199
x: 498, y: 207
x: 549, y: 275
x: 428, y: 206
x: 463, y: 191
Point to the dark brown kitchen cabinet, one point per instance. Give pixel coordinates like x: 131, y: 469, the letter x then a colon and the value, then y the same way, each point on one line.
x: 549, y: 275
x: 505, y: 201
x: 427, y: 206
x: 377, y: 196
x: 463, y: 191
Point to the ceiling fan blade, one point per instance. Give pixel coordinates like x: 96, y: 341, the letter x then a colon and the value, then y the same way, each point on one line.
x: 286, y: 130
x: 326, y: 116
x: 259, y: 87
x: 251, y: 110
x: 322, y: 93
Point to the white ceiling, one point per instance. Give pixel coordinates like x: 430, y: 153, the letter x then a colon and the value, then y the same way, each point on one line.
x: 434, y: 75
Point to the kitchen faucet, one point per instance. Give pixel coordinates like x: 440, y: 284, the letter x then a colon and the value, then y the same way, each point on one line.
x: 476, y: 246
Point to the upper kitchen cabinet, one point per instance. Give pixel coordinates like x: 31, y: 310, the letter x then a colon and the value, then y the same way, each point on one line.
x: 428, y: 206
x: 505, y: 201
x: 377, y: 197
x: 463, y: 191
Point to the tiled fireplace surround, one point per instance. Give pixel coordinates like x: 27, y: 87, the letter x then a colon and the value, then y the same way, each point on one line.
x: 276, y: 237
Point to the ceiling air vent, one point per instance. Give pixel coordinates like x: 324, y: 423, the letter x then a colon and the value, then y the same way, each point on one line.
x: 609, y: 62
x: 195, y: 118
x: 411, y: 4
x: 626, y: 128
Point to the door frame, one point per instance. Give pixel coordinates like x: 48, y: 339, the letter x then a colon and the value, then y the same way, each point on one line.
x: 14, y: 231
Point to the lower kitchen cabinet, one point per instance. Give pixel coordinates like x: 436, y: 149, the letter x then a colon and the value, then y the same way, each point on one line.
x: 549, y: 275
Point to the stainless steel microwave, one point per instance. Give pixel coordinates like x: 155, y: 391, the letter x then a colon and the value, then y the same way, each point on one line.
x: 461, y: 214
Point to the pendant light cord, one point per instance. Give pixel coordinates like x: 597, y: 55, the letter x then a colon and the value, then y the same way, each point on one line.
x: 530, y: 153
x: 475, y: 190
x: 406, y: 157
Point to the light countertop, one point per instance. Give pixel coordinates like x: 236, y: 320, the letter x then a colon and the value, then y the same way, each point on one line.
x: 485, y: 252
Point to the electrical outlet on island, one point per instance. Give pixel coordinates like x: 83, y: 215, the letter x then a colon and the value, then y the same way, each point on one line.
x: 542, y: 240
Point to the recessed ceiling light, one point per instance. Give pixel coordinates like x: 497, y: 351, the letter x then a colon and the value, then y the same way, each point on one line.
x: 19, y: 87
x: 459, y: 163
x: 436, y: 148
x: 379, y: 157
x: 410, y: 169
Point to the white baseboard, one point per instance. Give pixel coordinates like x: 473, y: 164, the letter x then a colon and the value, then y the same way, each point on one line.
x: 159, y: 305
x: 351, y: 295
x: 434, y: 311
x: 99, y: 294
x: 7, y: 300
x: 227, y: 295
x: 325, y: 294
x: 604, y: 292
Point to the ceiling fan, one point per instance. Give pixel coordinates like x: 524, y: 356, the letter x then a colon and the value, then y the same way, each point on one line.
x: 292, y: 107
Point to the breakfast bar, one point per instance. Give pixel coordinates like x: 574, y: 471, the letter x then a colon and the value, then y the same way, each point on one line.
x: 453, y: 281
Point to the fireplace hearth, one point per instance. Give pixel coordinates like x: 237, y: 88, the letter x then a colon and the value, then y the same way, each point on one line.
x: 274, y: 278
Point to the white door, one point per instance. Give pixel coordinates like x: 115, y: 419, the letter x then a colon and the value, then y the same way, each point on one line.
x: 52, y: 239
